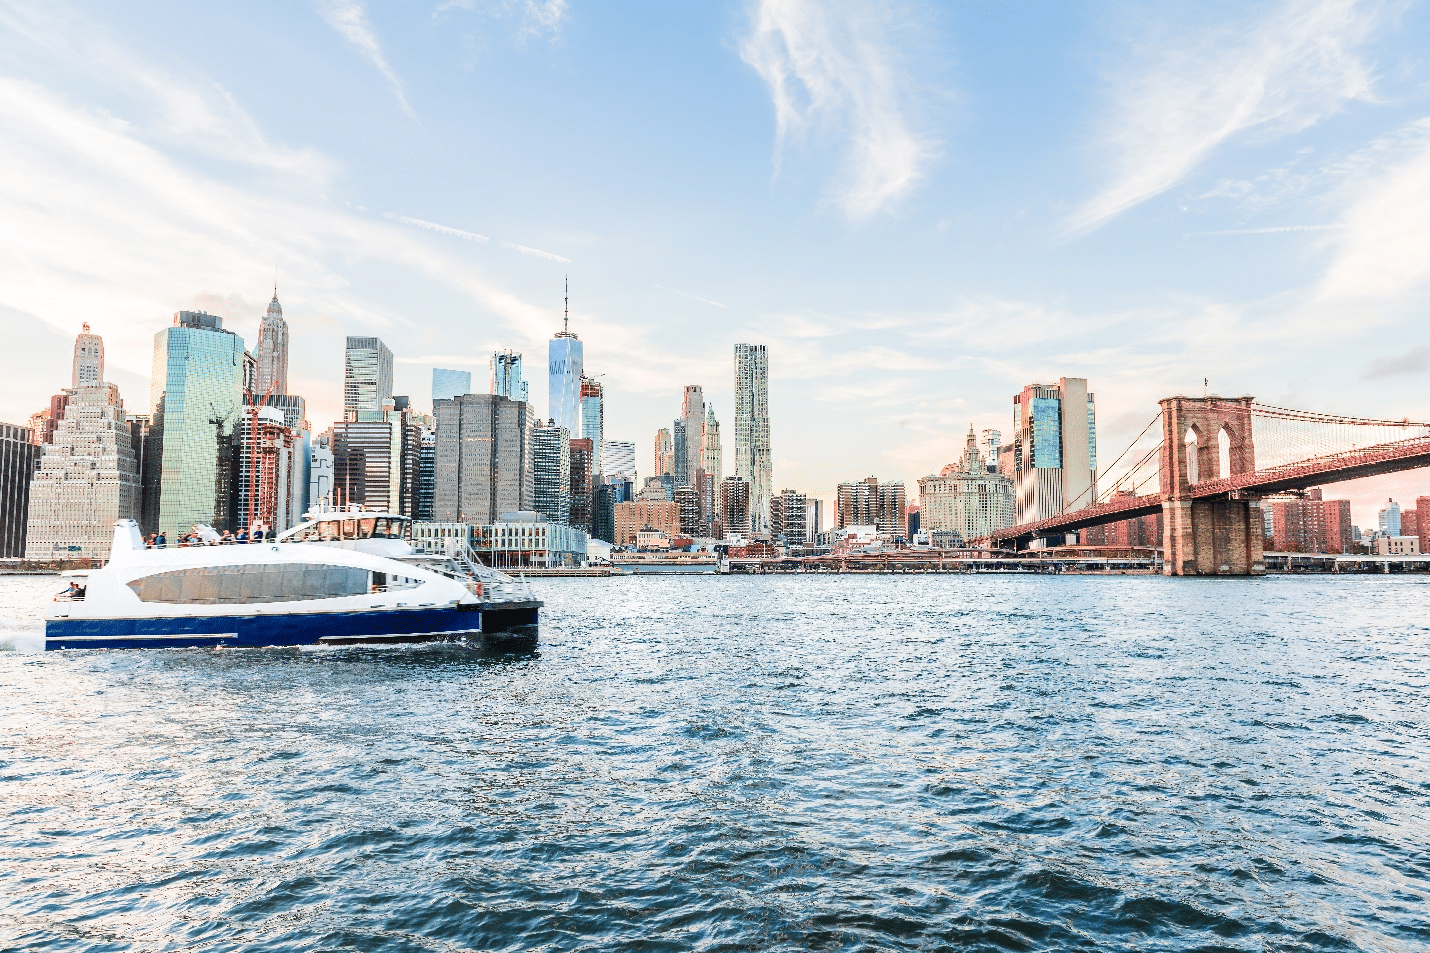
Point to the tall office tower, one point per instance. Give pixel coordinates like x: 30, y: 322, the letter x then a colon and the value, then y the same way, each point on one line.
x: 426, y: 475
x: 482, y: 460
x: 581, y: 475
x: 664, y: 453
x: 688, y: 503
x: 291, y: 406
x: 752, y: 430
x: 376, y: 459
x: 593, y: 421
x: 88, y: 478
x: 603, y: 507
x: 618, y: 457
x: 871, y: 503
x: 449, y: 384
x: 1388, y: 519
x: 272, y: 483
x: 788, y: 512
x: 735, y: 505
x: 506, y: 375
x: 88, y: 367
x: 271, y: 353
x: 813, y: 519
x: 367, y: 377
x: 966, y: 498
x: 712, y: 457
x: 692, y: 412
x: 680, y: 452
x: 18, y: 455
x: 1054, y: 449
x: 551, y: 472
x: 991, y: 440
x: 196, y: 395
x: 564, y: 356
x: 708, y: 492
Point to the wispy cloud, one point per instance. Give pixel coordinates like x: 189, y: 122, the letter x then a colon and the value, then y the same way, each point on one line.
x: 1181, y: 100
x: 1269, y: 230
x: 440, y: 229
x: 349, y: 20
x: 536, y: 17
x: 535, y: 252
x: 1414, y: 361
x: 700, y: 299
x: 836, y: 67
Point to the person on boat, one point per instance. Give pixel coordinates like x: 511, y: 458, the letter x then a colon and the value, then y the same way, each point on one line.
x: 161, y: 541
x: 73, y: 594
x: 242, y: 536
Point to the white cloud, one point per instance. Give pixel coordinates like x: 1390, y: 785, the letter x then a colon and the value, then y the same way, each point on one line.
x: 534, y: 252
x: 440, y: 229
x: 836, y: 67
x: 1181, y: 100
x: 349, y: 20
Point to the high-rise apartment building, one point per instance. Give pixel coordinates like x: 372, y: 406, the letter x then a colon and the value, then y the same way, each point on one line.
x: 688, y: 501
x: 990, y: 441
x: 788, y: 515
x: 692, y: 415
x: 271, y: 354
x: 367, y: 377
x: 581, y: 484
x: 506, y: 375
x: 1309, y: 524
x: 735, y: 505
x: 593, y: 421
x: 618, y: 458
x: 1388, y: 519
x: 196, y: 395
x: 87, y: 369
x: 753, y: 462
x: 272, y: 468
x: 680, y: 445
x: 664, y: 453
x: 426, y: 475
x: 662, y: 516
x: 448, y: 384
x: 1422, y: 523
x: 565, y: 360
x: 814, y: 519
x: 712, y: 457
x: 18, y: 455
x: 551, y: 472
x: 871, y: 503
x: 966, y: 498
x: 482, y: 459
x: 1054, y: 450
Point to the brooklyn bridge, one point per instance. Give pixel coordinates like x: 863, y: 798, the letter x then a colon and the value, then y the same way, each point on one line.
x: 1216, y: 459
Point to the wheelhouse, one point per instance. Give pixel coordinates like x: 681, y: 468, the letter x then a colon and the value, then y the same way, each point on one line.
x: 348, y: 527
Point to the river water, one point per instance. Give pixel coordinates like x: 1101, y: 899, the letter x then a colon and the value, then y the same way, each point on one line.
x: 717, y: 763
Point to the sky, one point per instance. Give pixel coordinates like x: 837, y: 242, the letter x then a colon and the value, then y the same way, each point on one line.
x: 918, y: 207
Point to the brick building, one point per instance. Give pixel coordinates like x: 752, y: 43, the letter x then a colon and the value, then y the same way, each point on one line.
x: 631, y: 518
x: 1310, y: 525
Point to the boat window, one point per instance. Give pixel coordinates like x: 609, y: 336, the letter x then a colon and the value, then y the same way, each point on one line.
x: 238, y: 585
x: 365, y: 528
x: 329, y: 530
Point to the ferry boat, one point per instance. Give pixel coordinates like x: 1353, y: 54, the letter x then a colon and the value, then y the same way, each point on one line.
x: 340, y: 578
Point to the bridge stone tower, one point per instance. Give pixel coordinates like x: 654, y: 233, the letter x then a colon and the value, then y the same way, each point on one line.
x: 1218, y: 535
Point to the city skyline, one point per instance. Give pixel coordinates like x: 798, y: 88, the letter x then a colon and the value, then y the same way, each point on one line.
x: 1014, y: 230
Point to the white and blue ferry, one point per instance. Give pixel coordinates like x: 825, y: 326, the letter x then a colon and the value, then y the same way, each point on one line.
x: 341, y: 578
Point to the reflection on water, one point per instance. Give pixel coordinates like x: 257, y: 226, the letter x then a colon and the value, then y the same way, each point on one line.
x: 765, y: 763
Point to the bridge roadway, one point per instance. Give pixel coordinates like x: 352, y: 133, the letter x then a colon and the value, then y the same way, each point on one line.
x: 1316, y: 471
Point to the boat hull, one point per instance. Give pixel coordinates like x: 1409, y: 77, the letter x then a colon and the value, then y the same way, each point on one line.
x: 296, y: 628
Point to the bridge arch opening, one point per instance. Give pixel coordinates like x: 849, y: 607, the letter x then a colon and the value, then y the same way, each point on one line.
x: 1192, y: 443
x: 1223, y: 442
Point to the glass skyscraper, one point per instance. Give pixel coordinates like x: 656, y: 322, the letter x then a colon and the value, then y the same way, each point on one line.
x: 506, y: 376
x: 752, y: 431
x: 449, y: 385
x: 551, y: 472
x: 593, y: 422
x: 196, y: 393
x: 564, y: 355
x: 1054, y: 449
x: 367, y: 377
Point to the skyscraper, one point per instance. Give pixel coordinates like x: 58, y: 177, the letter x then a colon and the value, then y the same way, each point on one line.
x: 271, y: 353
x: 88, y: 367
x: 752, y: 430
x: 367, y: 377
x: 18, y: 455
x: 1388, y: 519
x: 664, y: 453
x: 966, y: 498
x: 735, y: 505
x: 680, y: 452
x: 593, y: 421
x: 712, y: 456
x: 564, y: 355
x: 991, y: 440
x: 551, y: 472
x: 1054, y: 449
x: 449, y: 384
x: 482, y: 459
x: 506, y: 375
x: 581, y: 474
x: 272, y: 485
x: 871, y: 503
x: 426, y: 475
x: 196, y: 392
x: 692, y: 413
x: 618, y: 457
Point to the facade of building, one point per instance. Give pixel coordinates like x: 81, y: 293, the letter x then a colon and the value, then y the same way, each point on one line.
x: 271, y: 354
x: 871, y: 503
x: 687, y: 500
x: 1309, y: 525
x: 320, y: 473
x: 618, y: 459
x: 1054, y: 450
x: 1388, y: 519
x: 88, y: 479
x: 525, y: 540
x: 426, y: 475
x: 712, y: 456
x: 449, y: 384
x: 566, y: 362
x: 18, y: 456
x: 609, y: 492
x: 551, y: 472
x: 291, y: 406
x: 369, y: 467
x: 1397, y: 546
x: 735, y: 506
x: 788, y: 515
x: 1422, y: 524
x: 367, y: 377
x: 272, y: 467
x: 753, y: 462
x: 680, y: 446
x: 87, y: 368
x: 581, y: 484
x: 990, y: 441
x: 196, y: 397
x: 664, y: 453
x: 814, y: 519
x: 692, y: 415
x: 631, y: 518
x: 482, y: 460
x: 506, y: 376
x: 966, y: 498
x: 593, y: 421
x: 1142, y: 531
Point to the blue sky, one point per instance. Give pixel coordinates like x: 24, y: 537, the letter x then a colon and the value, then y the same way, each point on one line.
x: 919, y: 207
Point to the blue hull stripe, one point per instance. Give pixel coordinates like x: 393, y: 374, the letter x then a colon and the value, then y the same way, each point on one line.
x: 311, y: 628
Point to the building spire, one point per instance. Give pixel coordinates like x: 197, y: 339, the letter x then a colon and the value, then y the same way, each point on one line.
x: 566, y: 322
